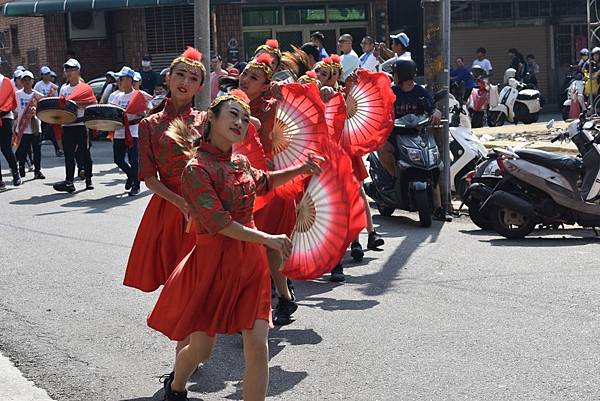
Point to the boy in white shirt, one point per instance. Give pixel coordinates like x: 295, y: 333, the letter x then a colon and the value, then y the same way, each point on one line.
x: 483, y: 62
x: 121, y: 98
x: 27, y: 121
x: 48, y: 88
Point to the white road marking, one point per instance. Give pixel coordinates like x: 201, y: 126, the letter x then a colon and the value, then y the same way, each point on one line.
x: 15, y: 387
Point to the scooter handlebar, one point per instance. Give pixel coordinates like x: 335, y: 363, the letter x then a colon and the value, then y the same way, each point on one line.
x: 557, y: 137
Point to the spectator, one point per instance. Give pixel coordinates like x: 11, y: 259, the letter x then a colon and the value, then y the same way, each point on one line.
x: 533, y: 68
x: 137, y: 82
x: 312, y: 52
x: 349, y: 57
x: 483, y: 62
x: 461, y: 74
x: 109, y: 86
x: 318, y: 39
x: 399, y: 51
x: 149, y: 78
x: 517, y: 61
x: 368, y: 60
x: 45, y: 86
x: 216, y: 66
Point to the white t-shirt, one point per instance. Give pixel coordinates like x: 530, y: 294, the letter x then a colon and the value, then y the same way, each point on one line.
x: 66, y: 90
x: 349, y: 63
x: 107, y: 92
x: 10, y: 114
x: 389, y: 63
x: 44, y: 88
x: 23, y: 100
x: 122, y: 99
x: 369, y: 62
x: 485, y: 64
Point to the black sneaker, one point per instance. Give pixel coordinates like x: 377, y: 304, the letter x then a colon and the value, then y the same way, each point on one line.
x: 16, y: 178
x: 128, y: 184
x: 171, y: 395
x: 81, y: 174
x: 356, y: 251
x: 283, y: 312
x: 375, y: 241
x: 291, y: 289
x: 134, y: 191
x: 439, y: 214
x: 166, y: 379
x: 88, y: 184
x: 64, y: 186
x: 22, y: 171
x: 2, y: 185
x: 38, y: 176
x: 337, y: 274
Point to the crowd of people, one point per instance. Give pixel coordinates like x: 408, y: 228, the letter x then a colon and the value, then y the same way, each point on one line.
x: 218, y: 258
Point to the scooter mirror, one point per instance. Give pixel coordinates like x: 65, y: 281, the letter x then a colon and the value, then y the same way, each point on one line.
x: 589, y: 125
x: 550, y: 124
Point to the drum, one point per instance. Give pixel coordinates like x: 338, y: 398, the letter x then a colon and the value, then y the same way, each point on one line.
x: 104, y: 117
x: 49, y: 110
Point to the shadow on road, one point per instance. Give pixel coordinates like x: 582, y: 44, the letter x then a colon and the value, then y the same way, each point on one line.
x: 542, y: 242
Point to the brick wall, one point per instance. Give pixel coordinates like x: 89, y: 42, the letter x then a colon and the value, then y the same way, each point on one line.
x: 131, y: 25
x: 229, y: 26
x: 56, y: 41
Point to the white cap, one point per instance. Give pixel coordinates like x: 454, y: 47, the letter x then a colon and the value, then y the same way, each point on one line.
x: 17, y: 74
x: 26, y: 74
x: 72, y: 63
x: 126, y: 72
x: 45, y: 70
x: 137, y: 77
x: 21, y: 68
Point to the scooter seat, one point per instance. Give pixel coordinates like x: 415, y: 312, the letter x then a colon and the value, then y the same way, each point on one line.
x: 552, y: 160
x: 528, y: 94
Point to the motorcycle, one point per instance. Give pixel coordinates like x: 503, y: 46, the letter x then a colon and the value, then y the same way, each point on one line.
x: 465, y: 148
x: 546, y: 188
x: 417, y: 168
x: 479, y: 99
x: 516, y: 102
x: 574, y: 91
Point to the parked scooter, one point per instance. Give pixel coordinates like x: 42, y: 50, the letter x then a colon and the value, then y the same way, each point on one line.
x: 417, y: 168
x: 465, y: 148
x: 546, y: 188
x: 516, y: 102
x: 574, y: 92
x: 482, y: 182
x: 479, y: 99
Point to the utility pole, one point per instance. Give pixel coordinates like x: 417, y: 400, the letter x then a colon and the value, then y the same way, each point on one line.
x: 202, y: 43
x: 436, y: 44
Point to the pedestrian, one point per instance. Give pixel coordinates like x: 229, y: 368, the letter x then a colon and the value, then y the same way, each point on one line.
x: 48, y: 88
x: 398, y: 51
x: 368, y: 60
x: 28, y: 128
x: 17, y: 79
x: 533, y: 69
x: 8, y: 103
x: 217, y: 72
x: 483, y: 62
x: 150, y: 78
x: 222, y: 286
x: 75, y: 138
x: 517, y: 61
x: 462, y: 76
x: 318, y: 39
x: 328, y: 72
x: 349, y: 57
x: 109, y: 87
x: 137, y: 83
x: 312, y: 52
x: 279, y: 214
x: 121, y: 136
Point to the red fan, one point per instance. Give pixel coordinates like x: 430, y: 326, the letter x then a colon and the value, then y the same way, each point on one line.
x: 326, y: 219
x: 335, y: 116
x: 370, y: 113
x: 300, y: 127
x: 253, y: 150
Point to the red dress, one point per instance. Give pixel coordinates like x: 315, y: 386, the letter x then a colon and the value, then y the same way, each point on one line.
x: 161, y: 240
x: 223, y: 285
x: 279, y: 215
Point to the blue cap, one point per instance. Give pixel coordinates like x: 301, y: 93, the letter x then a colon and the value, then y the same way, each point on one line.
x: 72, y: 63
x: 126, y: 72
x: 402, y: 37
x: 45, y: 70
x: 137, y: 77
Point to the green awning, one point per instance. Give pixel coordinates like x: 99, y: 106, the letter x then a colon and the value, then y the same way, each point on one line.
x: 23, y: 8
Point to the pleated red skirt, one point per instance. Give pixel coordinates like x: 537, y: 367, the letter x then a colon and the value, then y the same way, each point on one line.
x: 277, y: 217
x: 160, y: 243
x: 221, y: 287
x: 358, y: 168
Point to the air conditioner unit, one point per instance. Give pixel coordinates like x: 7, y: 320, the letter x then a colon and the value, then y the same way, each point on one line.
x: 86, y: 25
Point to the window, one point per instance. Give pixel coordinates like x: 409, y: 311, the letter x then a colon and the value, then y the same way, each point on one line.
x: 32, y: 60
x: 568, y: 39
x: 534, y: 9
x: 254, y: 39
x: 169, y: 29
x: 304, y: 15
x: 261, y: 16
x: 4, y: 39
x: 14, y: 38
x: 462, y: 12
x: 492, y: 11
x: 571, y: 8
x: 348, y: 14
x: 119, y: 48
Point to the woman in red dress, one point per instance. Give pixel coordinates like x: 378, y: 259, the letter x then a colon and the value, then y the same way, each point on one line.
x: 279, y: 215
x: 161, y: 240
x: 329, y: 72
x: 222, y: 286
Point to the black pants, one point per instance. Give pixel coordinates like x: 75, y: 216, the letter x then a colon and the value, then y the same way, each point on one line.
x: 30, y: 141
x: 5, y: 143
x: 120, y: 150
x: 48, y: 133
x: 76, y: 140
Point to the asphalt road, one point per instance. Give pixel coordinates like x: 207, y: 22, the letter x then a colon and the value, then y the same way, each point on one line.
x: 447, y: 313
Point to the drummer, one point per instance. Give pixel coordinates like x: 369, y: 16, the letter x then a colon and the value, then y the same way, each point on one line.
x: 48, y: 88
x: 25, y: 117
x: 126, y: 78
x: 75, y: 136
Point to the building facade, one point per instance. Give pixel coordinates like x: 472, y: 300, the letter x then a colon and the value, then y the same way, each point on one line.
x: 106, y: 40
